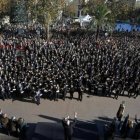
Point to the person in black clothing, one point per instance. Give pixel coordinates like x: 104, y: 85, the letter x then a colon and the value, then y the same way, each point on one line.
x: 68, y: 126
x: 22, y: 128
x: 54, y: 93
x: 137, y: 91
x: 124, y: 128
x: 137, y: 129
x: 120, y: 111
x: 110, y: 130
x: 80, y: 93
x: 64, y: 91
x: 13, y: 126
x: 71, y: 91
x: 75, y: 60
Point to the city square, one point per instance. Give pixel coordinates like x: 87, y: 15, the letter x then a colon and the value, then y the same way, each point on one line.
x: 69, y: 69
x: 93, y: 109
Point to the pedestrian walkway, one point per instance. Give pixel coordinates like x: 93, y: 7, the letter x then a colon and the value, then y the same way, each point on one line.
x: 93, y: 112
x: 5, y: 137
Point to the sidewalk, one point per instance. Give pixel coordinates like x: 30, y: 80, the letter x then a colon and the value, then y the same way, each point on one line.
x: 89, y: 109
x: 92, y: 110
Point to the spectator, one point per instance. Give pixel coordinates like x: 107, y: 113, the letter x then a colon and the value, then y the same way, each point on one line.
x: 110, y: 130
x: 13, y: 126
x: 5, y: 124
x: 22, y: 128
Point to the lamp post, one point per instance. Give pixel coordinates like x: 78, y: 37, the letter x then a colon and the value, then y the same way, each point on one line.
x: 80, y: 17
x: 80, y: 11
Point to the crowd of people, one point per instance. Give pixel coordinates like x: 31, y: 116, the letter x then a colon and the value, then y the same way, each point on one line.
x: 13, y: 126
x: 123, y: 126
x: 75, y: 63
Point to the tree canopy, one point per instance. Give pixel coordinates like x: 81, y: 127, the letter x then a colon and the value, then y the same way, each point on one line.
x: 120, y: 9
x: 19, y: 12
x: 101, y: 17
x: 4, y: 7
x: 45, y: 9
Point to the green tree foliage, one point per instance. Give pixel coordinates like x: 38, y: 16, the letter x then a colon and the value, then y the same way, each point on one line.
x: 43, y: 7
x: 106, y: 12
x: 101, y: 18
x: 121, y: 9
x: 19, y: 12
x: 90, y: 6
x: 4, y: 7
x: 45, y: 11
x: 70, y: 9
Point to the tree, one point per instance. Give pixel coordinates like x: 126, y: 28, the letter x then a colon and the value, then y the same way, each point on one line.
x: 4, y: 7
x: 91, y: 6
x: 101, y: 17
x: 46, y: 9
x: 121, y: 9
x: 18, y: 12
x: 70, y: 9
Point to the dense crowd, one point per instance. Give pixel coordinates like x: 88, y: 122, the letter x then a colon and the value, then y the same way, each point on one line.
x: 68, y: 63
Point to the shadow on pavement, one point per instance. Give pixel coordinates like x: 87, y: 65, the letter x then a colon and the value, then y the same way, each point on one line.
x: 26, y: 100
x: 50, y: 118
x: 83, y: 130
x: 31, y: 130
x: 105, y: 119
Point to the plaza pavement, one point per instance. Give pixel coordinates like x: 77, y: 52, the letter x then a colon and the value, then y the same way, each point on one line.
x: 93, y: 109
x: 89, y: 109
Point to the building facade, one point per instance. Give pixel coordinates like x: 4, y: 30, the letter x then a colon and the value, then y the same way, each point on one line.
x: 137, y: 4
